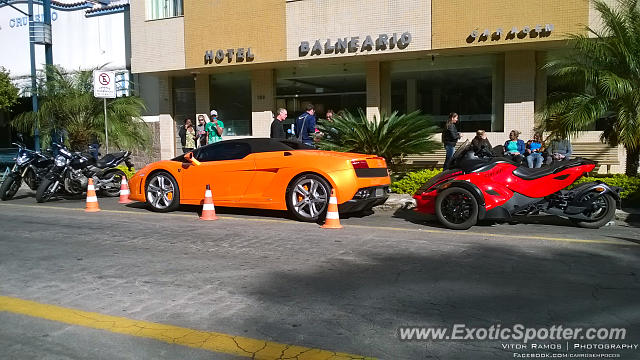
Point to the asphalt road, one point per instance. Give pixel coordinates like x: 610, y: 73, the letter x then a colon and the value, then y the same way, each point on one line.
x: 73, y: 285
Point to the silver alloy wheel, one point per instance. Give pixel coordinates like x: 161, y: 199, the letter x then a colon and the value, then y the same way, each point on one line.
x: 309, y: 198
x: 160, y: 192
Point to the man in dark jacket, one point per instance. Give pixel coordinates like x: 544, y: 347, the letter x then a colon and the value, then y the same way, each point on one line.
x: 277, y: 132
x: 306, y: 125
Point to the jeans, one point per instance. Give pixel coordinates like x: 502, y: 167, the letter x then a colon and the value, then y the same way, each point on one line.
x: 534, y: 158
x: 450, y: 149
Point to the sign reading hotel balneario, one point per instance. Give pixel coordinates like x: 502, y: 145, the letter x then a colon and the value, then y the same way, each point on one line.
x: 354, y: 44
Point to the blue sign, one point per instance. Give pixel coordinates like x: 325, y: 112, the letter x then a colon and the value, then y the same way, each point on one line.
x: 24, y: 21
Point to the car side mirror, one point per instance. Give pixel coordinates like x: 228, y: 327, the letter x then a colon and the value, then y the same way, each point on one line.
x: 191, y: 159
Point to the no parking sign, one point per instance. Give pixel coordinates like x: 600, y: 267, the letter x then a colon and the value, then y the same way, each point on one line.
x: 104, y: 84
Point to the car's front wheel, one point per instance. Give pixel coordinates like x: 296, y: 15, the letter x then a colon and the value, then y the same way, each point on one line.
x: 457, y: 208
x: 162, y: 192
x: 308, y: 197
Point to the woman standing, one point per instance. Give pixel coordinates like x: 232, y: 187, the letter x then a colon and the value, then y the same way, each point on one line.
x: 189, y: 136
x: 450, y: 137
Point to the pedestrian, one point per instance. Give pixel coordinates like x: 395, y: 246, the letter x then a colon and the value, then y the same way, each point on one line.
x: 559, y: 149
x: 534, y: 151
x: 189, y: 136
x: 481, y: 145
x: 514, y: 148
x: 277, y: 132
x: 306, y: 126
x: 215, y: 128
x: 450, y: 137
x: 201, y: 133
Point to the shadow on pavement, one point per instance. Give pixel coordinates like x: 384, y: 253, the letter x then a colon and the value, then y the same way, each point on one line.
x: 476, y: 285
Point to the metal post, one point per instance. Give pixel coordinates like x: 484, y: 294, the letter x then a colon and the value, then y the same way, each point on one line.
x: 48, y: 48
x: 34, y: 92
x: 106, y: 132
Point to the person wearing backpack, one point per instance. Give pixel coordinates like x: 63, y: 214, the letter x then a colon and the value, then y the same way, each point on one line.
x: 306, y: 126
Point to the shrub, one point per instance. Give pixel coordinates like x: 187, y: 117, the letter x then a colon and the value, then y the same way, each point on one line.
x: 413, y: 180
x: 630, y: 185
x: 127, y: 172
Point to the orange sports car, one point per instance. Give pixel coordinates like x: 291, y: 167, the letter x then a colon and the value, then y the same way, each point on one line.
x: 262, y: 173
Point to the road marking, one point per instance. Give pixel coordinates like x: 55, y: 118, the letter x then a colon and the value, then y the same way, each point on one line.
x: 211, y: 341
x: 433, y: 231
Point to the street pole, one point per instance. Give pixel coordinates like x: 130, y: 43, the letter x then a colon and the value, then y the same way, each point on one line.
x: 106, y: 132
x: 34, y: 92
x: 48, y: 48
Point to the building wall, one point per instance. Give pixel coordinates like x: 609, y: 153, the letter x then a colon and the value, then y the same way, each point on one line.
x: 311, y: 20
x: 156, y: 45
x: 454, y: 20
x: 233, y: 24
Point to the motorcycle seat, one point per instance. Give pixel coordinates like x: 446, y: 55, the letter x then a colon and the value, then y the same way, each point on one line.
x: 110, y: 160
x: 526, y: 173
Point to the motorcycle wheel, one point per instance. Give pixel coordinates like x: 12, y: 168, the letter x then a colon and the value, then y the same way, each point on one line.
x: 457, y: 208
x: 114, y: 188
x: 30, y: 178
x: 604, y: 212
x: 45, y: 190
x: 9, y: 187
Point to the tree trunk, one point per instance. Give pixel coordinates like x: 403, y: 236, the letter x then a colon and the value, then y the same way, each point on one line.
x: 632, y: 162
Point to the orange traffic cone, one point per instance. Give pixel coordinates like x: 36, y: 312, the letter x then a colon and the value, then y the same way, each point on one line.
x: 92, y: 199
x: 124, y: 191
x: 208, y: 210
x: 333, y: 218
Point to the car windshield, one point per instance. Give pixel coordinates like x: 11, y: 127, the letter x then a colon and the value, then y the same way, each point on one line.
x: 466, y: 146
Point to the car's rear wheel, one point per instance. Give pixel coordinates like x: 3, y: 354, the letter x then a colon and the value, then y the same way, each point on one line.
x: 308, y: 197
x: 162, y: 192
x: 457, y: 208
x: 602, y: 211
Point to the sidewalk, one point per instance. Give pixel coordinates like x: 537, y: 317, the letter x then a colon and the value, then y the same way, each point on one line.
x: 625, y: 217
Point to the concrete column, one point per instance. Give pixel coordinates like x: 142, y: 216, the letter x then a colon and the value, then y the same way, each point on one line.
x: 263, y: 101
x: 167, y: 123
x: 497, y: 96
x: 519, y: 89
x: 373, y: 90
x: 202, y: 94
x: 412, y: 95
x: 541, y: 83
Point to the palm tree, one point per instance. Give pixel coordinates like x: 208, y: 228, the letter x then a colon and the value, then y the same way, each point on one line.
x: 605, y: 67
x: 67, y: 103
x: 389, y: 136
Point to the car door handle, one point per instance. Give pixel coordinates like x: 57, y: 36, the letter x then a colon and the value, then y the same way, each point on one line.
x: 286, y: 153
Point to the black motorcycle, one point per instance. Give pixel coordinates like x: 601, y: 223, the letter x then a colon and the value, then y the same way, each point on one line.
x: 72, y: 170
x: 30, y: 167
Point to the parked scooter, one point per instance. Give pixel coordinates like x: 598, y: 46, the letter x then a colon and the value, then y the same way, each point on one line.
x: 72, y: 170
x: 30, y: 167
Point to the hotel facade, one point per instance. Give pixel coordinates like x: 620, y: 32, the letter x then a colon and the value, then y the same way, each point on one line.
x: 481, y: 59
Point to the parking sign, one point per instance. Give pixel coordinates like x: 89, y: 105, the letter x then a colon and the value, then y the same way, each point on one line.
x: 104, y: 84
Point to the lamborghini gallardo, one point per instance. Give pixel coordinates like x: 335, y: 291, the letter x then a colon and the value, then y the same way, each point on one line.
x: 265, y: 174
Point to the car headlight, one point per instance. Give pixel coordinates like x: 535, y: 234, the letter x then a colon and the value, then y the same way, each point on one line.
x: 60, y: 161
x: 22, y: 159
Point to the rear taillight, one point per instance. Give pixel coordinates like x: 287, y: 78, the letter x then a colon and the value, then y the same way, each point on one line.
x: 359, y: 164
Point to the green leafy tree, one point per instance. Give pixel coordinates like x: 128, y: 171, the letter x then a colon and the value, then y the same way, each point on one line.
x: 67, y: 103
x: 388, y: 136
x: 8, y: 91
x: 605, y: 68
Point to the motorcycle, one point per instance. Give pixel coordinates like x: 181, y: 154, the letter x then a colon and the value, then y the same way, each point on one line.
x: 486, y: 187
x: 30, y: 167
x: 72, y: 170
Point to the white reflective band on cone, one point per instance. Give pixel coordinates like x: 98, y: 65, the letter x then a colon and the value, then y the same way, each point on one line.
x: 208, y: 207
x: 91, y: 188
x: 207, y: 193
x: 333, y: 201
x: 124, y: 192
x: 92, y: 199
x: 332, y: 215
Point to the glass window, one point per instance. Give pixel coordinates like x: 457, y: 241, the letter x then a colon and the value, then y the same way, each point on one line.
x: 469, y: 86
x: 162, y: 9
x: 332, y: 86
x: 230, y: 96
x: 228, y: 150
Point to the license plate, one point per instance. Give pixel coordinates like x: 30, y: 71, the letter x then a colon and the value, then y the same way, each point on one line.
x: 379, y: 192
